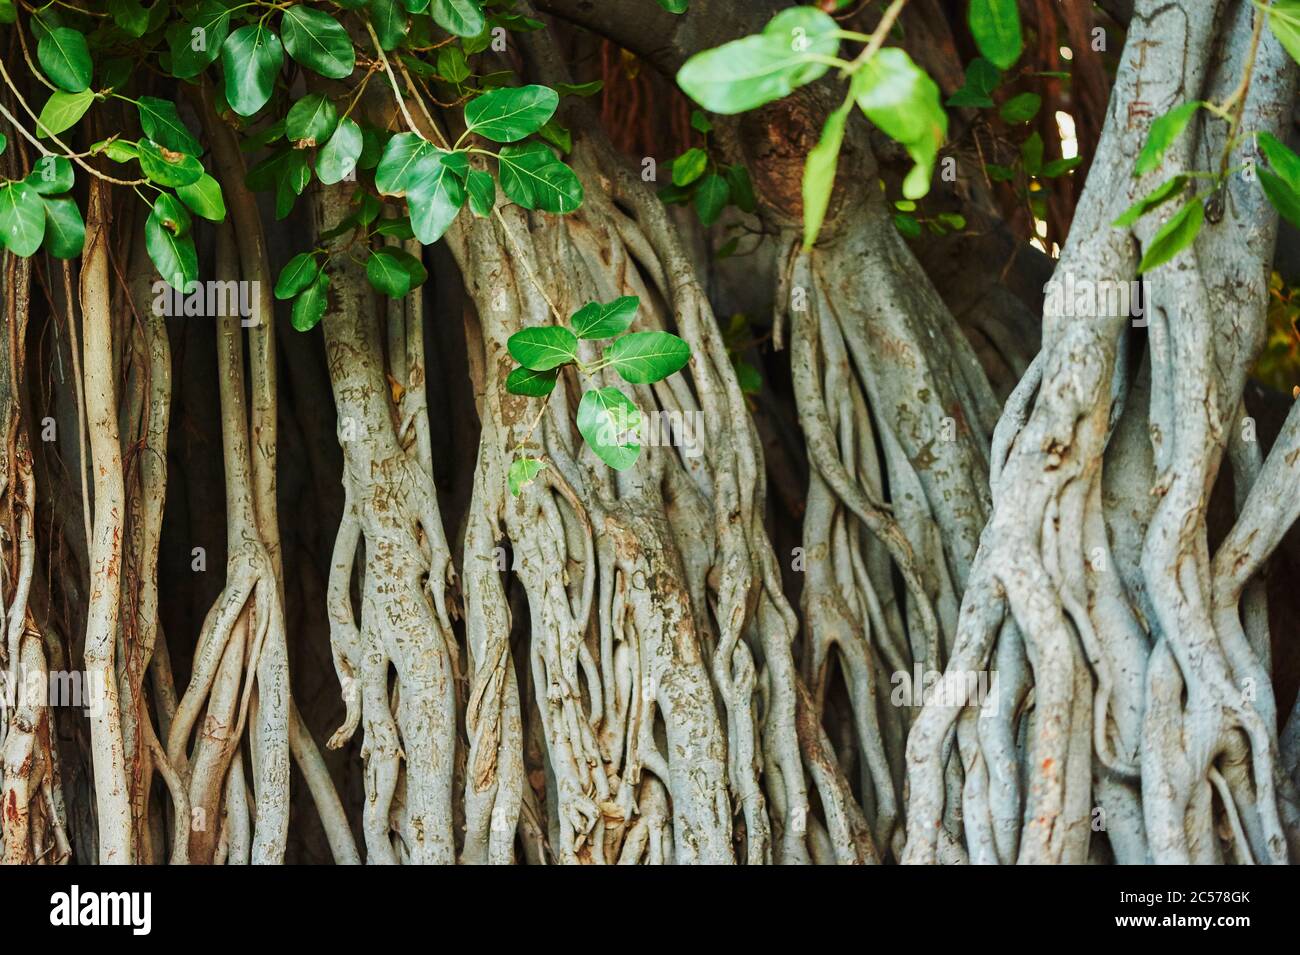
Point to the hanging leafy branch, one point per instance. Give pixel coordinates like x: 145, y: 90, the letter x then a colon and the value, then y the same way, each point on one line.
x: 608, y: 420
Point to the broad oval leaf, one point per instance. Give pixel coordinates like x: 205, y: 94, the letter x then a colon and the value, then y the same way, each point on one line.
x: 533, y: 178
x: 1021, y: 108
x: 251, y: 57
x: 167, y: 167
x: 746, y: 73
x: 689, y: 166
x: 309, y: 307
x: 65, y: 58
x: 197, y: 42
x: 395, y: 271
x: 482, y: 190
x: 544, y: 347
x: 390, y: 22
x: 162, y: 124
x: 317, y: 41
x: 1174, y: 236
x: 610, y: 424
x: 297, y: 274
x: 459, y: 17
x: 65, y: 231
x: 311, y: 120
x: 995, y: 25
x: 171, y: 214
x: 22, y: 218
x: 435, y: 201
x: 595, y: 320
x: 408, y: 161
x: 51, y: 175
x: 532, y: 384
x: 62, y: 110
x: 204, y: 198
x: 645, y: 357
x: 1164, y: 130
x: 903, y: 103
x: 711, y: 197
x: 174, y: 256
x: 508, y: 115
x: 338, y: 158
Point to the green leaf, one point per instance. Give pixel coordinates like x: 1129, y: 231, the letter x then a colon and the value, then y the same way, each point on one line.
x: 452, y: 65
x: 557, y: 135
x: 482, y: 189
x: 711, y: 198
x: 173, y: 255
x: 689, y: 166
x: 819, y: 173
x: 742, y: 190
x: 907, y: 226
x: 532, y: 384
x: 982, y: 78
x: 610, y: 424
x: 297, y: 274
x: 396, y: 228
x: 580, y: 89
x: 4, y: 141
x: 65, y: 58
x: 1157, y: 197
x: 532, y: 177
x: 408, y: 161
x: 903, y: 103
x: 1059, y: 167
x: 1284, y: 196
x: 459, y: 17
x: 166, y: 167
x: 196, y: 43
x: 1174, y: 236
x: 51, y: 175
x: 390, y: 22
x: 204, y: 198
x: 309, y: 307
x: 162, y: 124
x: 700, y: 123
x: 62, y: 110
x: 435, y: 201
x: 995, y: 25
x: 172, y: 215
x: 1164, y: 131
x: 129, y: 16
x: 544, y: 347
x: 395, y: 271
x: 65, y: 232
x: 338, y: 157
x: 317, y: 41
x: 311, y: 120
x: 251, y: 57
x: 1021, y: 108
x: 1284, y: 162
x: 1284, y: 21
x: 675, y: 6
x: 595, y: 320
x: 522, y: 472
x: 1031, y: 154
x: 22, y: 218
x: 508, y: 115
x: 645, y: 357
x: 118, y: 150
x: 747, y: 73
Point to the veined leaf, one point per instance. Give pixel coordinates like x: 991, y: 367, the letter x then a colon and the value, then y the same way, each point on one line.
x: 995, y: 25
x: 645, y: 357
x: 167, y: 167
x: 508, y: 115
x: 317, y: 41
x: 62, y: 110
x: 543, y: 347
x: 1174, y: 236
x: 610, y: 424
x: 311, y: 120
x: 819, y: 172
x: 1164, y: 131
x: 521, y: 474
x: 338, y: 157
x: 297, y: 274
x: 532, y: 177
x: 65, y: 58
x: 309, y: 307
x: 595, y: 320
x: 251, y: 57
x: 65, y: 232
x: 204, y: 198
x: 532, y: 384
x: 22, y: 218
x: 459, y: 17
x: 162, y: 124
